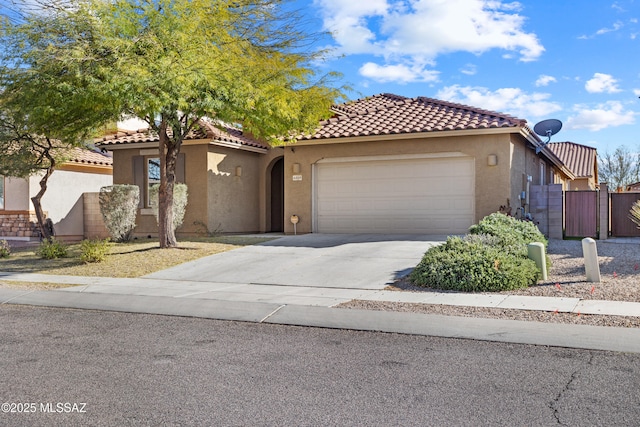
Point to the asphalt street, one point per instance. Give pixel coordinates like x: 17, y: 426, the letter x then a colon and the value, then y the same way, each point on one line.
x: 74, y: 367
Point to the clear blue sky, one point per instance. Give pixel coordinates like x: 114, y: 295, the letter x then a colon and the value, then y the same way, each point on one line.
x: 574, y: 60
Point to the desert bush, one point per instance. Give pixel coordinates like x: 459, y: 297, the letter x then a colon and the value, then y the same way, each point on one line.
x: 180, y: 196
x: 474, y: 264
x: 5, y: 249
x: 51, y: 249
x: 118, y: 206
x: 95, y: 250
x: 508, y: 230
x: 634, y: 213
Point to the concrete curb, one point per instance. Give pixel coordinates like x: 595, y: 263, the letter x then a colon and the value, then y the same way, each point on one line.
x: 513, y: 331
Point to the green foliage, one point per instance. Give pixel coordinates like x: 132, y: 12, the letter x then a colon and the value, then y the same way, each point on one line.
x: 52, y: 249
x: 473, y: 264
x: 493, y: 257
x: 119, y: 206
x: 171, y: 63
x: 94, y: 250
x: 5, y: 249
x: 634, y: 213
x: 180, y: 196
x: 509, y: 231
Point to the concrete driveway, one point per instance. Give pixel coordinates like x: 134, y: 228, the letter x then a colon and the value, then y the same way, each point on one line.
x: 356, y: 261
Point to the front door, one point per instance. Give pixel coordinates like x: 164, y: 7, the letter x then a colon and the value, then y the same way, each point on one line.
x: 277, y: 196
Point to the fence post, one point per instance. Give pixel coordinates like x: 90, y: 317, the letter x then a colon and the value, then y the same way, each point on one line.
x: 604, y: 212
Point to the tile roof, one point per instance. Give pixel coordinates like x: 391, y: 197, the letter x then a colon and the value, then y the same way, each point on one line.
x: 580, y: 159
x: 388, y: 114
x: 89, y: 157
x: 204, y: 131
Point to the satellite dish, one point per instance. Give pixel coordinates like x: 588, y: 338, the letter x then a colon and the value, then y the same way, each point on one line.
x: 547, y: 128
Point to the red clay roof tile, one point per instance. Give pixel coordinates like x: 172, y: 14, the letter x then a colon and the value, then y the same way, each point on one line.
x: 89, y: 157
x: 204, y: 131
x: 393, y: 114
x: 580, y: 159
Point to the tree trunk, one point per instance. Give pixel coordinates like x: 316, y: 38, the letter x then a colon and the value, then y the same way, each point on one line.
x: 45, y: 232
x: 168, y: 156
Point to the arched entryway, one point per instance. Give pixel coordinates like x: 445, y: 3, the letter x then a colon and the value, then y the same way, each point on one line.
x: 277, y: 196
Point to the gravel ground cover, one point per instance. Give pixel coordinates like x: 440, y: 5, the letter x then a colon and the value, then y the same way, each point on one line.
x: 619, y: 269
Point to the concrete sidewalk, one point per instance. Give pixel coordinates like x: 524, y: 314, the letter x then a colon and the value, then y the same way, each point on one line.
x: 314, y: 306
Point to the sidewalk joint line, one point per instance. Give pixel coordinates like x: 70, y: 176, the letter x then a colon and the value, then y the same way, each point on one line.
x: 272, y: 313
x: 17, y: 296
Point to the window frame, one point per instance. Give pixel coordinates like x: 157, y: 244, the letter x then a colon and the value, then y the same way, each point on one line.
x: 148, y: 181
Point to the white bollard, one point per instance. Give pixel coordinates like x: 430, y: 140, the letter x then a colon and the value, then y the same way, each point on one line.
x: 591, y: 266
x: 535, y: 251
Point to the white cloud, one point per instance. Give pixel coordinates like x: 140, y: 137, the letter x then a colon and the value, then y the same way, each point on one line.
x: 609, y: 114
x: 398, y: 73
x: 418, y: 31
x: 602, y: 83
x: 617, y: 7
x: 513, y: 101
x: 348, y: 22
x: 616, y: 27
x: 469, y: 70
x: 636, y: 92
x: 544, y: 80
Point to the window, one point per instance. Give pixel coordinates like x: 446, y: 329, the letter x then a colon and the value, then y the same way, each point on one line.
x: 1, y: 192
x: 146, y: 173
x: 542, y: 173
x: 153, y: 176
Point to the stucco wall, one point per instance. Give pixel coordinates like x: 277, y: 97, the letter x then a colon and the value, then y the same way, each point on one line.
x: 492, y: 185
x: 233, y: 194
x: 525, y: 163
x: 16, y: 194
x: 63, y: 200
x: 582, y: 184
x: 218, y: 199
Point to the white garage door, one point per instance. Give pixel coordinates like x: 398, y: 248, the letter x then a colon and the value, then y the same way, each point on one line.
x: 426, y: 196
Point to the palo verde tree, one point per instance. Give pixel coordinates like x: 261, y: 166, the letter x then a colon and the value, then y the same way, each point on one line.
x: 178, y: 62
x: 47, y: 106
x: 172, y: 63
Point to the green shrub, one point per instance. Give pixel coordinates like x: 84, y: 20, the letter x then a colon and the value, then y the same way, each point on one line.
x: 5, y: 249
x: 119, y: 206
x: 51, y: 249
x: 475, y: 264
x: 94, y: 250
x: 508, y: 230
x: 180, y: 196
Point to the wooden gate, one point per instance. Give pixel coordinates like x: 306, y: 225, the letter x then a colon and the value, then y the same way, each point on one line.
x: 581, y: 214
x: 621, y: 225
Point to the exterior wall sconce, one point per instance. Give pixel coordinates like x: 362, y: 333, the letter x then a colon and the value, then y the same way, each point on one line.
x: 296, y: 168
x: 238, y: 170
x: 492, y: 160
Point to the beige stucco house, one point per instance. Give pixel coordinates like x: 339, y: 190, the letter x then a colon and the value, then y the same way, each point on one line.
x: 383, y: 164
x: 85, y: 171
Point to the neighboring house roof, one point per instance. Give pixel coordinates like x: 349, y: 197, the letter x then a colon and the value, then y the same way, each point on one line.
x: 633, y: 187
x: 388, y: 114
x: 230, y: 136
x: 580, y: 159
x: 90, y: 157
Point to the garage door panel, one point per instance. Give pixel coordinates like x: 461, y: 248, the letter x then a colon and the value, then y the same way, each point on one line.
x: 396, y: 196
